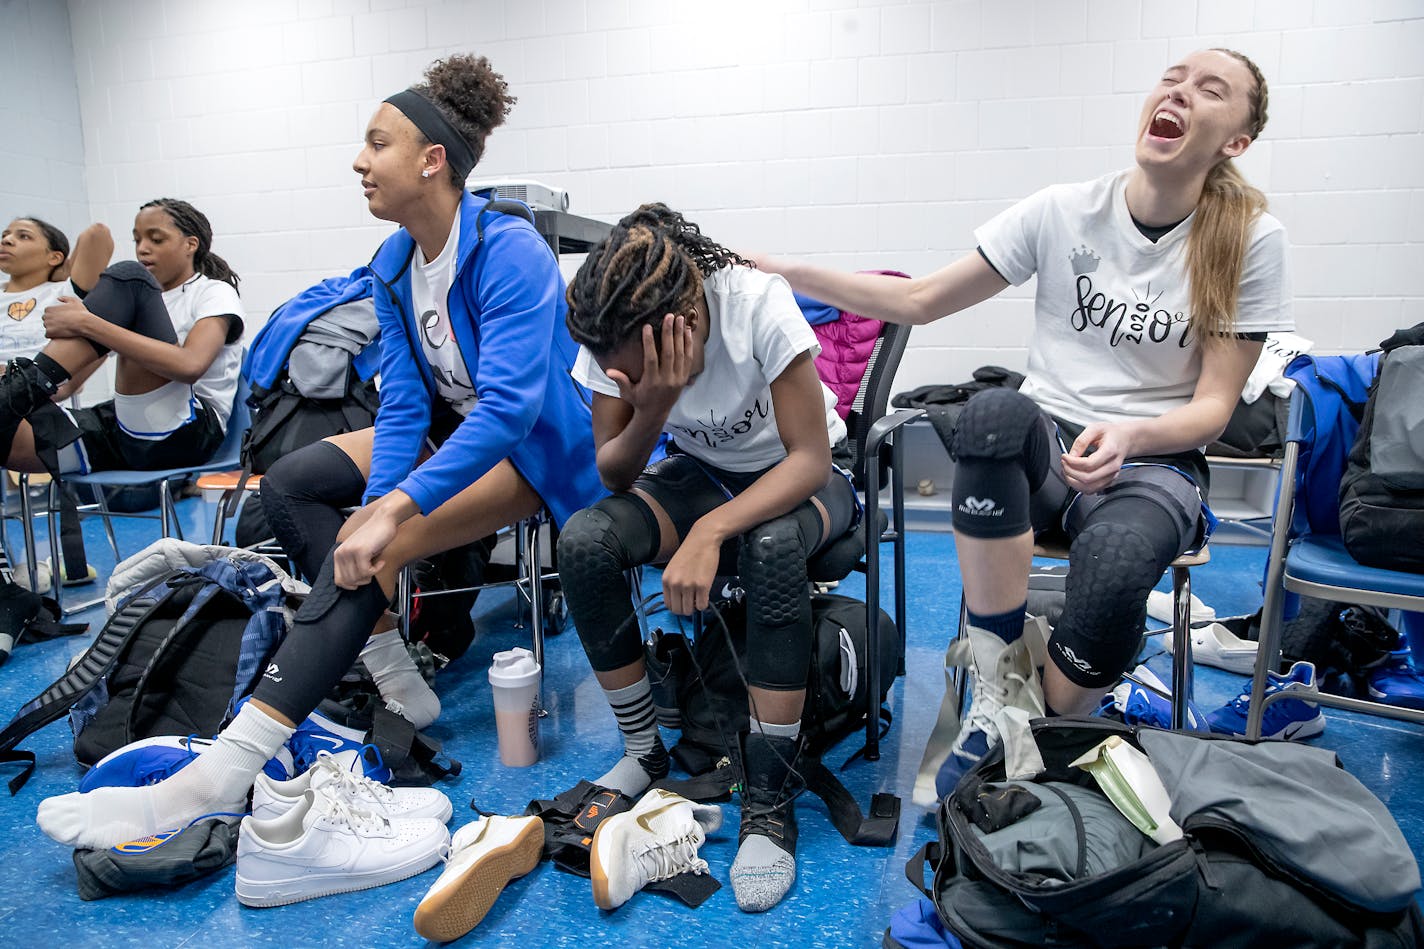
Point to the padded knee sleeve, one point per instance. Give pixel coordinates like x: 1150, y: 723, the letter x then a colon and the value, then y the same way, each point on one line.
x: 327, y: 634
x: 303, y: 496
x: 1000, y: 448
x: 772, y: 564
x: 128, y: 296
x: 595, y: 546
x: 1112, y: 565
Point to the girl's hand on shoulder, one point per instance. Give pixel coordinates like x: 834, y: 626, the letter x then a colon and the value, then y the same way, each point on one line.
x: 66, y: 319
x: 666, y: 368
x: 1096, y: 457
x: 688, y: 577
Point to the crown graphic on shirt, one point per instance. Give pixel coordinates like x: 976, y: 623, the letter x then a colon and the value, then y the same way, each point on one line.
x: 1084, y: 261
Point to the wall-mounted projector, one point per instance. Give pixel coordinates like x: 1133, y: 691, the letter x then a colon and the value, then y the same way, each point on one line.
x: 536, y: 194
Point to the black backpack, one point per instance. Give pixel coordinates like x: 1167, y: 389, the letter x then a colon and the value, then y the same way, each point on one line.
x: 1281, y: 847
x: 174, y: 659
x: 1382, y: 490
x: 704, y: 680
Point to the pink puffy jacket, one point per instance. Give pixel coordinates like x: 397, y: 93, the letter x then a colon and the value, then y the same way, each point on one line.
x: 846, y: 346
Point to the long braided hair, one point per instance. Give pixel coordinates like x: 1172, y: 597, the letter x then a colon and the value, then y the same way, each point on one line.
x: 194, y: 223
x: 651, y: 264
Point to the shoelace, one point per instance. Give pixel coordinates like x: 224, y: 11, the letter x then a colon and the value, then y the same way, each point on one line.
x: 989, y: 698
x: 759, y: 818
x: 1242, y: 702
x: 352, y: 784
x: 664, y: 860
x: 360, y: 819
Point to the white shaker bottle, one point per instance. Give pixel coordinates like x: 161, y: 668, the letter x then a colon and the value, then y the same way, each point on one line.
x: 514, y: 683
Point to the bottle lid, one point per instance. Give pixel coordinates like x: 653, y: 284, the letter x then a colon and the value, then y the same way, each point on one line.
x: 514, y: 668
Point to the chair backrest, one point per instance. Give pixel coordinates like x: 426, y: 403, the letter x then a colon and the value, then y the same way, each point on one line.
x: 238, y: 422
x: 873, y: 396
x: 1325, y: 410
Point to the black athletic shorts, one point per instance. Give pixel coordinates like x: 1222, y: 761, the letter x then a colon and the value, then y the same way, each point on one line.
x: 106, y: 447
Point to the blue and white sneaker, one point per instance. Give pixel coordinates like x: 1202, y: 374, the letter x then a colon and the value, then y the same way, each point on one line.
x: 1397, y: 682
x: 152, y: 760
x: 1143, y: 699
x: 317, y: 733
x: 1285, y: 718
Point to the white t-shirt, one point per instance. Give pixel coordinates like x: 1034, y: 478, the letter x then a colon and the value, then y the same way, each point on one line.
x: 1111, y: 338
x: 725, y: 416
x: 198, y: 298
x: 22, y: 318
x: 430, y: 284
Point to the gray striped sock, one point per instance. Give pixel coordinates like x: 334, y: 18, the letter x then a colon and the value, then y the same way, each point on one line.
x: 644, y: 759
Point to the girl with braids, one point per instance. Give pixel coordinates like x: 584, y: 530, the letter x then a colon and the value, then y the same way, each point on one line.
x: 474, y: 356
x: 682, y: 336
x: 173, y: 319
x: 1156, y: 287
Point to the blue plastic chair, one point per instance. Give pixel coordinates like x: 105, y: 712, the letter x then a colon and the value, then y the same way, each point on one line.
x: 1307, y: 555
x: 227, y: 457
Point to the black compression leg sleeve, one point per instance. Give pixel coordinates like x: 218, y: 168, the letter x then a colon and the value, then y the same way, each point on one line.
x: 127, y: 296
x: 303, y: 496
x: 326, y: 637
x: 1114, y: 562
x: 595, y: 546
x: 1001, y: 456
x: 772, y: 565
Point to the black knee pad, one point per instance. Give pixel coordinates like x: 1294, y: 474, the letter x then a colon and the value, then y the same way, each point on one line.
x: 1111, y: 568
x: 1001, y: 449
x: 596, y: 545
x: 1160, y: 490
x: 620, y: 531
x: 1001, y: 424
x: 772, y: 564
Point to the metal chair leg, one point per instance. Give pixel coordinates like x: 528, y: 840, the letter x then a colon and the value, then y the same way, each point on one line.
x: 1182, y: 668
x: 521, y: 559
x: 405, y: 596
x: 27, y: 517
x: 167, y: 511
x: 103, y: 503
x: 536, y: 600
x: 56, y: 559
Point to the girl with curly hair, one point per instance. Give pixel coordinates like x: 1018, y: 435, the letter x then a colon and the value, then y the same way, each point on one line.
x: 475, y: 361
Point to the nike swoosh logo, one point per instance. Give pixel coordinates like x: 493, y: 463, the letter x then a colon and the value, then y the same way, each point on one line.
x: 334, y: 742
x: 1292, y: 730
x: 644, y: 818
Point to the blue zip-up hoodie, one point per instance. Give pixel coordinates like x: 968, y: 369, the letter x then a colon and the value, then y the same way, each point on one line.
x: 507, y: 313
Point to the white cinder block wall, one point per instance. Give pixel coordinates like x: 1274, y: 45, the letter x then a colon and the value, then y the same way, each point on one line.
x: 41, y: 145
x: 870, y: 134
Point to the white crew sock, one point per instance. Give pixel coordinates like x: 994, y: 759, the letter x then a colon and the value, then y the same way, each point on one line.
x: 398, y: 678
x: 217, y: 782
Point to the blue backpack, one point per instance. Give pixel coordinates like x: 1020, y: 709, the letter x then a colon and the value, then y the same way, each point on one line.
x: 152, y: 669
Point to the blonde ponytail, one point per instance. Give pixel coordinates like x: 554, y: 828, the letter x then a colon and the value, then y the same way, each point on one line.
x: 1216, y: 247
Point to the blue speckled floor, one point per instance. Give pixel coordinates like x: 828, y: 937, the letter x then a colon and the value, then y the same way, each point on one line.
x: 844, y: 896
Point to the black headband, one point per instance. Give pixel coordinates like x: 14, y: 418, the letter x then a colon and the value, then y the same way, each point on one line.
x: 425, y: 116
